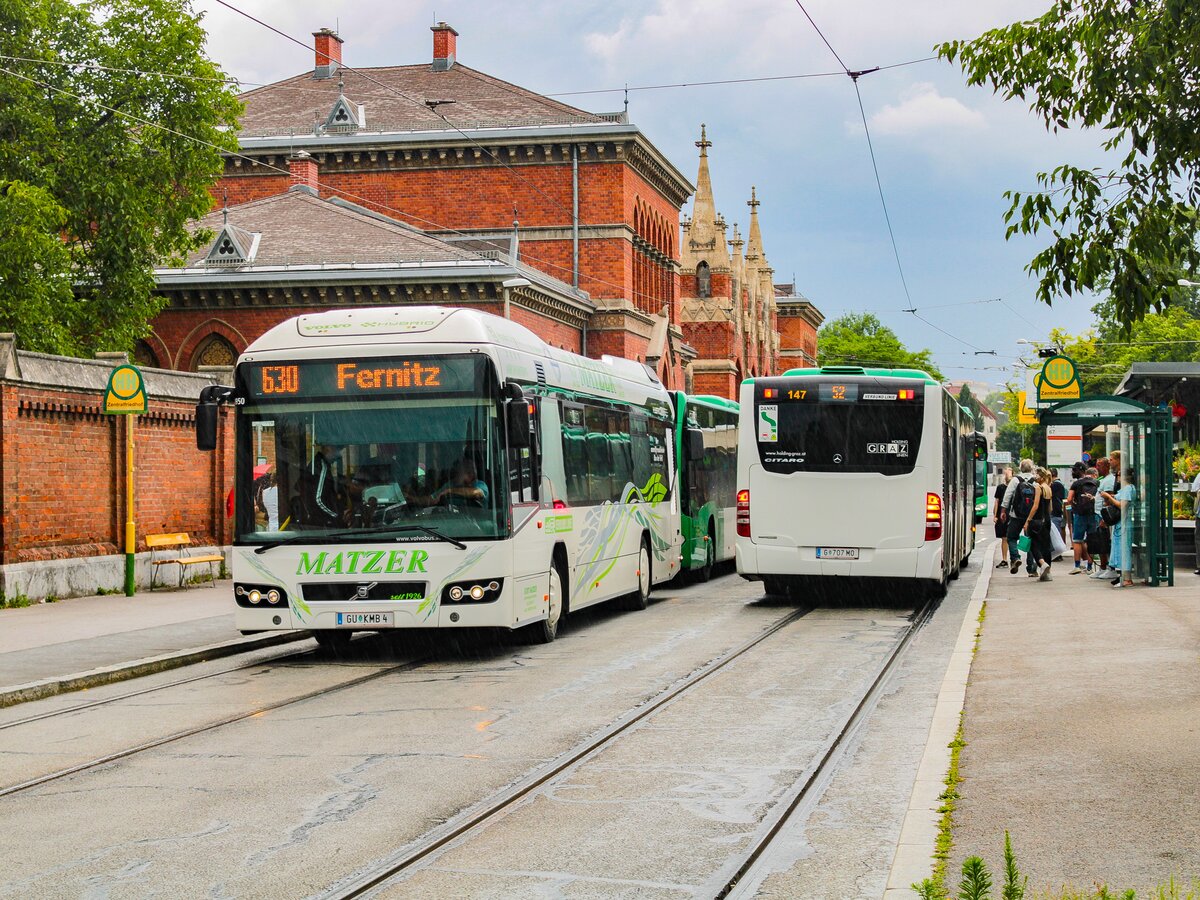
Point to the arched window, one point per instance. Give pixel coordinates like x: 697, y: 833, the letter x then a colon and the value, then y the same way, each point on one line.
x: 703, y: 280
x: 214, y: 351
x: 144, y: 355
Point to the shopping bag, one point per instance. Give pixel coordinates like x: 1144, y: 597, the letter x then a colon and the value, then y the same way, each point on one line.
x: 1057, y: 545
x: 1023, y: 543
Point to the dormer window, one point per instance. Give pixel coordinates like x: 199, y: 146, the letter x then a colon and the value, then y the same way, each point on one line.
x: 345, y: 116
x: 233, y: 247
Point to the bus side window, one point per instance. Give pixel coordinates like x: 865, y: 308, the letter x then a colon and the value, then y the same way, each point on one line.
x: 524, y: 469
x: 575, y: 461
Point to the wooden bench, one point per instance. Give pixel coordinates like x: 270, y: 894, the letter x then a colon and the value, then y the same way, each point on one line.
x: 175, y: 549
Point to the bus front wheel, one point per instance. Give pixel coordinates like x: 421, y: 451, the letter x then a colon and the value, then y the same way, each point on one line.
x: 545, y: 631
x: 333, y: 642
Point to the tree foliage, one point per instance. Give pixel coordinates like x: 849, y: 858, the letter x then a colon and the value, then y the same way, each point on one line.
x: 860, y: 339
x: 1132, y: 70
x: 967, y: 398
x: 1105, y: 353
x: 101, y: 169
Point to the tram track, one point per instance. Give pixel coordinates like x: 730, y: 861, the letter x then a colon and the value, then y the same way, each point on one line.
x: 478, y: 816
x: 283, y: 658
x: 738, y: 877
x: 259, y: 710
x: 740, y: 869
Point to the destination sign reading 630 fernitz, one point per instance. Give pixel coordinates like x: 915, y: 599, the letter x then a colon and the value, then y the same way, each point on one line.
x: 364, y: 377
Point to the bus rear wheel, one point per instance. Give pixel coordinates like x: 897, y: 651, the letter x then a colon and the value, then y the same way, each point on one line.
x: 640, y: 598
x: 705, y: 572
x: 775, y: 586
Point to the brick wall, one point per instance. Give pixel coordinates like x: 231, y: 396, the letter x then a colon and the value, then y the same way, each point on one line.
x: 63, y: 483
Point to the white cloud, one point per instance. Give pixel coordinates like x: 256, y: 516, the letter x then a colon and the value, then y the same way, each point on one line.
x: 924, y: 110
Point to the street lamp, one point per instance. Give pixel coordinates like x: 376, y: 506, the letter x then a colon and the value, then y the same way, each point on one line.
x: 507, y: 287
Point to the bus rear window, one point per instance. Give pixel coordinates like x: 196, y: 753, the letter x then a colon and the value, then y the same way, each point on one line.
x: 857, y: 435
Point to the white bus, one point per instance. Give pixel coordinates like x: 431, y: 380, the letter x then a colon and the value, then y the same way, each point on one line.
x: 851, y: 473
x: 426, y: 467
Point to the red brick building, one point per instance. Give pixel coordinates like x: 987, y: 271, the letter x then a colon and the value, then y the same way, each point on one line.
x: 489, y: 168
x: 480, y: 163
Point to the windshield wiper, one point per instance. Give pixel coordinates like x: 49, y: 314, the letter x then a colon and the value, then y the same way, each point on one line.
x: 304, y: 538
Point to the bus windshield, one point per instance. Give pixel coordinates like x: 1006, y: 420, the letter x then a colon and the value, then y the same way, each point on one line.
x: 827, y: 426
x: 337, y: 468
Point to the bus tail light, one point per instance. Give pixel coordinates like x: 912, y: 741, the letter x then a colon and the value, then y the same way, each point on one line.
x: 743, y: 513
x: 933, y: 517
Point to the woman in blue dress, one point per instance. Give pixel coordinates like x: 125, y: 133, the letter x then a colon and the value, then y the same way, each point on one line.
x: 1121, y: 555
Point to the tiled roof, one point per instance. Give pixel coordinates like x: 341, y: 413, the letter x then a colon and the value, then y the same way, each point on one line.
x: 394, y: 98
x: 298, y: 228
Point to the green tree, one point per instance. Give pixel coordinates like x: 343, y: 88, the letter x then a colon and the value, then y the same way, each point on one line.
x: 102, y: 163
x: 1129, y: 69
x: 967, y: 399
x: 860, y: 339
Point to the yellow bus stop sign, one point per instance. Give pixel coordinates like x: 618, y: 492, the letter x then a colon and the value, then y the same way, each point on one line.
x: 1059, y: 380
x: 1025, y: 415
x: 126, y: 391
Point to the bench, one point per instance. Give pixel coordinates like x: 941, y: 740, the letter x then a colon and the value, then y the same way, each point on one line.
x: 175, y: 549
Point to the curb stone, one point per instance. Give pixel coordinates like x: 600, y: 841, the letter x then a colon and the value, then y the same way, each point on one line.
x: 64, y: 684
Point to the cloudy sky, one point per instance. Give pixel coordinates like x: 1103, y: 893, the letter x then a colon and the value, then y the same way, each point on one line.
x: 945, y: 153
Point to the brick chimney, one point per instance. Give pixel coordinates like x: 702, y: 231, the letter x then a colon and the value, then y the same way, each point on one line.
x: 329, y: 52
x: 304, y: 172
x: 445, y: 41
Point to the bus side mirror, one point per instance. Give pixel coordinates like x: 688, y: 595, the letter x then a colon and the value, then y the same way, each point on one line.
x: 517, y: 415
x: 206, y: 425
x: 695, y: 445
x: 211, y: 399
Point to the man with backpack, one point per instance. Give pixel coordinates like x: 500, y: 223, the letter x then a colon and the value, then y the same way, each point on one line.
x: 1016, y: 507
x: 1085, y: 518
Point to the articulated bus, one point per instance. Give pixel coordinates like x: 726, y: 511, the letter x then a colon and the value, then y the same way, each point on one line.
x: 708, y: 484
x: 855, y: 474
x: 425, y: 467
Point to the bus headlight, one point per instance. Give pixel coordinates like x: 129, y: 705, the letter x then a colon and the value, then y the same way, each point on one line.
x: 248, y: 595
x: 474, y: 591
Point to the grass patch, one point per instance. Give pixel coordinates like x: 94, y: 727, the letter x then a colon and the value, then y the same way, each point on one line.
x: 934, y: 887
x: 16, y: 601
x: 976, y: 884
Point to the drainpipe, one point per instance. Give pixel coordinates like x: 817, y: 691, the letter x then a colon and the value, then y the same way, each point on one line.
x: 575, y: 215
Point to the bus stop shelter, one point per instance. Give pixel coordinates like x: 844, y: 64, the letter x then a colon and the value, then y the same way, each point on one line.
x: 1146, y: 446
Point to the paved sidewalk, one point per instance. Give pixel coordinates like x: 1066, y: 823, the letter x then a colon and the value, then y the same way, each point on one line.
x: 94, y: 640
x: 1083, y: 733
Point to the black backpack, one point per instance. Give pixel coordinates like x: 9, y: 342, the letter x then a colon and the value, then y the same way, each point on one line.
x: 1085, y: 497
x: 1022, y: 504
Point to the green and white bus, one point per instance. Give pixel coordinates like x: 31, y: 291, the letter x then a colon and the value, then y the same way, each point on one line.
x: 428, y: 467
x: 708, y: 484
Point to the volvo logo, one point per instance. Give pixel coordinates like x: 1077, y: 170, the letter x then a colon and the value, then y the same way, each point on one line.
x: 363, y: 591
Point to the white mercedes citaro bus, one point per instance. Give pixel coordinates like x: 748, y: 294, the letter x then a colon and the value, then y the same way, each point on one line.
x: 428, y: 467
x: 853, y: 474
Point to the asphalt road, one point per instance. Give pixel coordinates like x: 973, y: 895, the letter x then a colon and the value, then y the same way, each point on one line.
x: 287, y: 802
